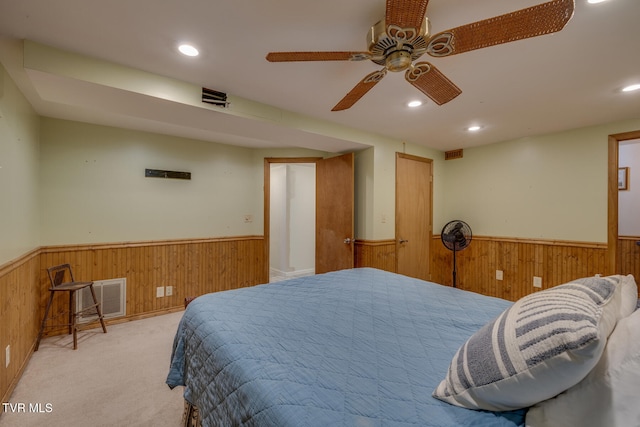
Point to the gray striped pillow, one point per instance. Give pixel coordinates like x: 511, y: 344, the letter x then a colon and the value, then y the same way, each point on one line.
x: 543, y: 344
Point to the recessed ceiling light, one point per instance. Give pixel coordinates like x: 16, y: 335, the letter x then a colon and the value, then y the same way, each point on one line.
x: 631, y: 88
x: 474, y: 128
x: 595, y: 1
x: 414, y: 104
x: 187, y: 49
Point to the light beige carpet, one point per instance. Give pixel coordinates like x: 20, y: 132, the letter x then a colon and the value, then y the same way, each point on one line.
x: 112, y: 379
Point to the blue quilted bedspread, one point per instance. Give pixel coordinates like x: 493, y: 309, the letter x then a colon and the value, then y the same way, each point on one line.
x: 359, y: 347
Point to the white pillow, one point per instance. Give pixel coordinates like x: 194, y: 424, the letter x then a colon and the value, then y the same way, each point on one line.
x: 629, y: 295
x: 543, y: 344
x: 608, y: 396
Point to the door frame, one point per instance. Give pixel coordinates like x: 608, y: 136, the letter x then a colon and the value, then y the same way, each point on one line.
x: 612, y: 193
x: 267, y: 199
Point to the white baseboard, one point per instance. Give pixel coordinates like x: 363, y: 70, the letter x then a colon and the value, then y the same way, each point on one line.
x: 291, y: 274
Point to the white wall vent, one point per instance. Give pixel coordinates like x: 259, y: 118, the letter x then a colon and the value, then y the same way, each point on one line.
x: 112, y: 296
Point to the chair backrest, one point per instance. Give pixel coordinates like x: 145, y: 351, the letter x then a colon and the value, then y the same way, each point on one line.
x: 60, y: 274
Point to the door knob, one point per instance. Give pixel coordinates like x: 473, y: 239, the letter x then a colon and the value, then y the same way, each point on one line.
x: 348, y: 240
x: 401, y: 241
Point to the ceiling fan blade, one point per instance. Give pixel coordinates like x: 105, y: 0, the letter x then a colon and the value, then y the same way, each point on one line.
x: 430, y: 81
x: 360, y: 90
x: 405, y: 15
x: 317, y: 56
x: 534, y: 21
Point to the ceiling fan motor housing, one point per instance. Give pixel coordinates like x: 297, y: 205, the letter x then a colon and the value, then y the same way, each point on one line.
x: 398, y: 60
x: 397, y: 53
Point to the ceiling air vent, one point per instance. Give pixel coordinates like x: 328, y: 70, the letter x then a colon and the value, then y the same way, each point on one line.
x: 453, y: 154
x: 210, y: 96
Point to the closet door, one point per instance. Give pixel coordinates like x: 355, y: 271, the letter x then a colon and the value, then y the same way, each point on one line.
x: 413, y: 215
x: 334, y: 213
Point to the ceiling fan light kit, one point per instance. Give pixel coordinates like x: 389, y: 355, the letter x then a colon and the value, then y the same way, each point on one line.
x: 403, y: 36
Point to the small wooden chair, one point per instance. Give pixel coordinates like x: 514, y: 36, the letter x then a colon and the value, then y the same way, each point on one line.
x: 61, y: 278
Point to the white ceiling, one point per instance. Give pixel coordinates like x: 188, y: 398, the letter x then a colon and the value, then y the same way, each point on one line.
x: 540, y: 85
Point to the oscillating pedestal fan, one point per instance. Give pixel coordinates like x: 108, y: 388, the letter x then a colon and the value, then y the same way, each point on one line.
x: 455, y: 235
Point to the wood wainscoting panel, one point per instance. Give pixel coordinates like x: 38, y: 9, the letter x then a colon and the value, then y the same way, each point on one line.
x: 629, y: 257
x: 19, y: 317
x: 556, y: 262
x: 192, y: 267
x: 198, y: 266
x: 380, y: 254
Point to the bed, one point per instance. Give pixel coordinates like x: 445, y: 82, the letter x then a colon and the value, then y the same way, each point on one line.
x: 360, y: 347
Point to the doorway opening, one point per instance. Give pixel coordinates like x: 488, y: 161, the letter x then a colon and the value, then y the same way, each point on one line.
x: 628, y: 246
x: 613, y: 209
x: 292, y: 207
x: 333, y: 194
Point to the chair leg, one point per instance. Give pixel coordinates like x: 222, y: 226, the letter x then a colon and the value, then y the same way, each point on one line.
x: 72, y: 313
x: 44, y: 320
x: 95, y: 301
x: 72, y: 320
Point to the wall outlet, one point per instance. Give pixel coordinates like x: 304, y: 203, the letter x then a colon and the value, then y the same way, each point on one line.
x: 7, y: 356
x: 159, y: 292
x: 169, y: 291
x: 537, y: 282
x: 499, y: 275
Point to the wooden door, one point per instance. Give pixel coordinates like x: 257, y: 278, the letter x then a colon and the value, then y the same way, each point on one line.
x: 334, y: 213
x: 413, y: 215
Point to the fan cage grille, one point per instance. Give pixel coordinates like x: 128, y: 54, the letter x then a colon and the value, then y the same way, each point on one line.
x: 451, y: 241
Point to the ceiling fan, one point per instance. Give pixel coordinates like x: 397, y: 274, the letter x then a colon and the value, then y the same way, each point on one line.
x: 404, y: 36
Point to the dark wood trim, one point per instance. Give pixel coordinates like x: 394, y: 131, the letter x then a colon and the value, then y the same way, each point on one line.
x: 612, y: 196
x: 365, y: 242
x: 143, y: 243
x: 549, y: 242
